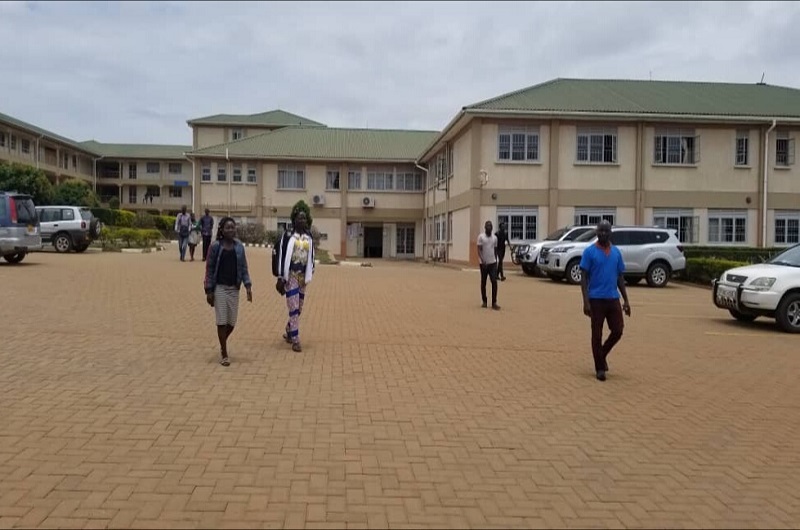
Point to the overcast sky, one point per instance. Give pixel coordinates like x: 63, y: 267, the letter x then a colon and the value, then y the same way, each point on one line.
x: 136, y: 71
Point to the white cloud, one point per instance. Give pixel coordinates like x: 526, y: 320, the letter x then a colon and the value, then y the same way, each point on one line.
x: 136, y: 71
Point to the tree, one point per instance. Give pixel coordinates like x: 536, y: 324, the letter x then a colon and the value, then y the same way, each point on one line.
x: 28, y: 180
x: 75, y: 193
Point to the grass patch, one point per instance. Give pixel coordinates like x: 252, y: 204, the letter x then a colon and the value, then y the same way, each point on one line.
x: 324, y: 257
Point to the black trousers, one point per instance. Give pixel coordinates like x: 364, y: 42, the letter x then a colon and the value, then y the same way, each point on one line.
x: 206, y: 244
x: 489, y: 271
x: 500, y: 257
x: 605, y: 310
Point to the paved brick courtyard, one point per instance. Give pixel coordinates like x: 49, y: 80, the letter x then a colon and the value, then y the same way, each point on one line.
x: 410, y: 406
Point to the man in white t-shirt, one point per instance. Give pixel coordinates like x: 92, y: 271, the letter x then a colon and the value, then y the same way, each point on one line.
x: 487, y: 256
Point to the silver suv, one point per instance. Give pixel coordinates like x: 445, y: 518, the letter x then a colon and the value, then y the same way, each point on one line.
x: 68, y: 227
x: 528, y: 255
x: 650, y: 253
x: 19, y: 226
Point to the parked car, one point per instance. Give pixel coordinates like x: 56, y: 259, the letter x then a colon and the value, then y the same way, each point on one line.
x: 68, y: 227
x: 19, y: 226
x: 528, y: 255
x: 770, y: 289
x: 650, y: 253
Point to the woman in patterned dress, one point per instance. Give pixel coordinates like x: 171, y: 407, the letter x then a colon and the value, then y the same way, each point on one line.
x: 295, y: 269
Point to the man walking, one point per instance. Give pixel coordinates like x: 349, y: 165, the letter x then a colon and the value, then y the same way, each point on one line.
x: 206, y: 229
x: 183, y: 225
x: 487, y: 257
x: 601, y: 284
x: 502, y: 241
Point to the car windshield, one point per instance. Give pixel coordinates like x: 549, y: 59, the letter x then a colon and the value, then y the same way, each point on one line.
x: 585, y: 237
x: 789, y: 258
x: 86, y: 214
x: 555, y: 236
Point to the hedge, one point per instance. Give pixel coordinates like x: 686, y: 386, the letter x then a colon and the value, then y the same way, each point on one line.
x: 132, y: 237
x: 743, y: 254
x: 704, y: 270
x: 123, y: 218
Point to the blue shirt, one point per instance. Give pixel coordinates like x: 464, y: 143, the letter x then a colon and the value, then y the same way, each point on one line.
x: 603, y: 271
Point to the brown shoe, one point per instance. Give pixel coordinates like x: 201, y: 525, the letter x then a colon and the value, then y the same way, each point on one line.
x: 496, y: 307
x: 296, y: 347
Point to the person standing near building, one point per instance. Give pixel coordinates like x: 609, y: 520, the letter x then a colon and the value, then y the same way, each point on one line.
x: 206, y: 229
x: 226, y: 271
x: 601, y: 284
x: 487, y: 256
x: 183, y: 225
x: 502, y: 241
x: 194, y: 236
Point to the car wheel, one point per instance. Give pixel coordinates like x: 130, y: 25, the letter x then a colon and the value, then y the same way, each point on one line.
x: 62, y: 243
x: 788, y: 313
x: 574, y: 272
x: 14, y: 258
x: 742, y: 317
x: 81, y: 248
x: 632, y: 281
x: 658, y: 274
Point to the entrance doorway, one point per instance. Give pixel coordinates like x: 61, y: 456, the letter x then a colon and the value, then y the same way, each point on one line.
x: 405, y: 241
x: 373, y: 241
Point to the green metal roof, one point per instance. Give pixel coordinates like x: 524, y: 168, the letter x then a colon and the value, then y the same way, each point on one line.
x: 38, y: 131
x: 650, y: 97
x: 328, y: 144
x: 148, y: 151
x: 272, y: 118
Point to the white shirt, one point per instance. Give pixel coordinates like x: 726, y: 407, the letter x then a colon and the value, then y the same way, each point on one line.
x: 488, y: 248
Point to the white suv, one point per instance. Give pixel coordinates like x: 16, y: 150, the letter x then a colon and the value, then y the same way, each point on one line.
x: 770, y: 289
x: 649, y: 253
x: 68, y: 227
x: 528, y: 255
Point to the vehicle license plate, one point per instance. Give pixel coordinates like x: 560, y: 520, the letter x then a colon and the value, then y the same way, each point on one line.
x: 726, y: 295
x: 542, y: 260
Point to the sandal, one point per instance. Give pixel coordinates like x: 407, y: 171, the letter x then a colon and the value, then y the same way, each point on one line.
x: 287, y: 338
x: 225, y: 361
x: 296, y: 347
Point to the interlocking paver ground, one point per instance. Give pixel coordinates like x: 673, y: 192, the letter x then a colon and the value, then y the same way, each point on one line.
x: 410, y: 406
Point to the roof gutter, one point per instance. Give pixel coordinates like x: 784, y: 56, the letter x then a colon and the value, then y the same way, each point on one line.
x: 766, y: 185
x: 640, y: 116
x: 442, y: 135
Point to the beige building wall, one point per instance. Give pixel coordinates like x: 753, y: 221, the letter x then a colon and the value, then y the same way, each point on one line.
x: 784, y: 179
x: 56, y: 159
x: 462, y: 237
x: 514, y: 175
x: 574, y: 175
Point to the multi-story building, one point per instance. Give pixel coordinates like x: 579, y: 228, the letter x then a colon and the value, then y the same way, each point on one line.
x: 144, y: 177
x: 57, y: 156
x: 714, y: 161
x: 366, y: 192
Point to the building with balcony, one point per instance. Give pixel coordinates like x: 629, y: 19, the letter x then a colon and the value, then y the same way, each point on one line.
x: 715, y: 161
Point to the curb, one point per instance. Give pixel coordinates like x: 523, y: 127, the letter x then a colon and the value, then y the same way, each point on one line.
x: 141, y: 250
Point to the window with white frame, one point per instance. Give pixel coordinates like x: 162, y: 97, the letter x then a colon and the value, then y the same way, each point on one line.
x: 518, y: 144
x: 408, y: 181
x: 450, y: 167
x: 2, y: 139
x: 175, y: 168
x: 354, y: 179
x: 380, y: 179
x: 591, y: 216
x: 205, y: 172
x: 332, y: 179
x: 222, y: 172
x: 175, y: 192
x: 251, y: 173
x: 676, y: 146
x: 153, y: 168
x: 683, y: 221
x: 743, y: 148
x: 784, y: 150
x: 441, y: 233
x: 132, y: 171
x: 727, y: 226
x: 237, y: 173
x: 237, y: 134
x: 597, y: 145
x: 787, y: 227
x: 13, y: 142
x: 521, y: 221
x: 25, y: 146
x: 291, y: 178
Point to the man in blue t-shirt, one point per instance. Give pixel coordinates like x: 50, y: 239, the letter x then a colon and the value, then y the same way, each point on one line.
x: 601, y: 284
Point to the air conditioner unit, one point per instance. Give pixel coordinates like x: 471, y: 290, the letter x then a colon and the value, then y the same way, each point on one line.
x: 318, y: 200
x: 368, y: 202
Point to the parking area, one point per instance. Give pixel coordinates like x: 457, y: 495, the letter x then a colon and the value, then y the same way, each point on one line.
x: 409, y: 407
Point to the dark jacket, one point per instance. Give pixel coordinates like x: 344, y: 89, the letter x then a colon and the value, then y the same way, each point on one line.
x: 212, y: 266
x: 279, y: 251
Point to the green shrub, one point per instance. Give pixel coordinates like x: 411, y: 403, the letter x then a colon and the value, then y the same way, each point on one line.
x: 105, y: 215
x: 124, y: 218
x: 272, y: 237
x: 113, y: 203
x: 704, y: 270
x: 144, y: 220
x: 165, y: 223
x: 743, y: 254
x: 150, y: 237
x: 254, y: 233
x: 130, y: 236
